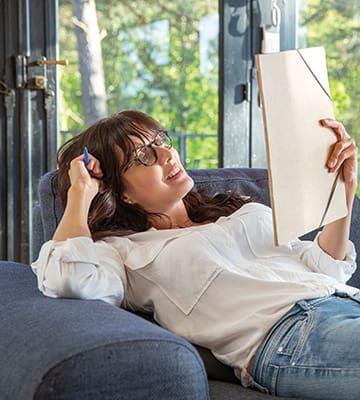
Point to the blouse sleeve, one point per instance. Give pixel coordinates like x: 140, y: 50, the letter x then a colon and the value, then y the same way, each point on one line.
x: 81, y: 268
x: 319, y: 261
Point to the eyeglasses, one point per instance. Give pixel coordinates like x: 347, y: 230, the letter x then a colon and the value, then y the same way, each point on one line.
x: 146, y: 154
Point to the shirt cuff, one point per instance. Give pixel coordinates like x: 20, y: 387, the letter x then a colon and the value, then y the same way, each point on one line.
x: 341, y: 270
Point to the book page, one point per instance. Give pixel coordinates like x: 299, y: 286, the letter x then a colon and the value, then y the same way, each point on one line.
x: 295, y: 95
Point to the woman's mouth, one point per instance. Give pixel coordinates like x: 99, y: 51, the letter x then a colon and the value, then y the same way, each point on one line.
x: 173, y: 173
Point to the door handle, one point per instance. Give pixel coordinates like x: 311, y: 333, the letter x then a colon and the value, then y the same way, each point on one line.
x: 52, y: 62
x: 33, y: 75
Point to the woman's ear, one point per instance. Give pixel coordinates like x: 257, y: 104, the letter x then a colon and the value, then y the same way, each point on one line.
x: 126, y: 199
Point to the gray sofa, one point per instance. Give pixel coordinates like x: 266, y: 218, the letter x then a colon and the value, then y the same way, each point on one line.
x: 66, y: 349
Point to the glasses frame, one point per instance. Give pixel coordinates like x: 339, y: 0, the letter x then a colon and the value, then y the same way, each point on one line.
x: 160, y: 138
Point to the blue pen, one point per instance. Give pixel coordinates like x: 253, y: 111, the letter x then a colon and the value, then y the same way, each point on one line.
x: 86, y: 156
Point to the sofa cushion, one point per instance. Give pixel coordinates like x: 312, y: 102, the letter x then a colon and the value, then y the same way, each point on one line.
x: 80, y: 349
x: 251, y: 182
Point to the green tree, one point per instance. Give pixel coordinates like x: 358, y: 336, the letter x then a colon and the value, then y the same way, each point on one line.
x: 151, y: 57
x: 90, y: 60
x: 335, y: 25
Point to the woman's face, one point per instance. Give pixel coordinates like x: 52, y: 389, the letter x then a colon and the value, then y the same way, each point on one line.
x: 158, y: 188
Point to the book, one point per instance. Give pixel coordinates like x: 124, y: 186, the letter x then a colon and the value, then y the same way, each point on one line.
x: 295, y: 95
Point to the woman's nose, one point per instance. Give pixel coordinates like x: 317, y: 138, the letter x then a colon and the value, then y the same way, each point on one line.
x: 164, y: 154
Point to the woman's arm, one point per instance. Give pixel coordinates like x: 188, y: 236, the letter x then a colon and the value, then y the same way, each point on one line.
x: 335, y: 235
x: 84, y: 187
x: 80, y: 267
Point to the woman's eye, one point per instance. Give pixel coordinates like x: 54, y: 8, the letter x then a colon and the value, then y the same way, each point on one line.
x: 140, y: 153
x: 159, y: 140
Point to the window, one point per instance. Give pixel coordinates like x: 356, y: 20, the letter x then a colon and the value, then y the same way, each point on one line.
x: 159, y: 57
x: 335, y: 25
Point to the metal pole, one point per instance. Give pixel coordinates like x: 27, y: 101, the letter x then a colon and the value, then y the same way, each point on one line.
x: 25, y: 138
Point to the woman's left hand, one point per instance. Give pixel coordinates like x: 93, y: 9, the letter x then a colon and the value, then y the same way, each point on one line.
x: 334, y: 236
x: 344, y: 153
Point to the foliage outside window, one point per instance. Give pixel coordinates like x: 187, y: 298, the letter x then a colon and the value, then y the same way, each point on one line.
x: 335, y: 25
x: 159, y: 57
x: 162, y: 57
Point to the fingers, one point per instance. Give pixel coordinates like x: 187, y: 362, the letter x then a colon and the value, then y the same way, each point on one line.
x: 93, y: 165
x: 79, y: 172
x: 344, y: 154
x: 337, y: 127
x: 345, y: 149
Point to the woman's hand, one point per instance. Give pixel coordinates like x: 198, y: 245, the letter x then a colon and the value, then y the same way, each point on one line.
x: 334, y: 236
x: 85, y: 178
x: 345, y: 154
x: 85, y: 184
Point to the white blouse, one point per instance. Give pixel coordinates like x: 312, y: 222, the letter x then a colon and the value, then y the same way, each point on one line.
x: 221, y: 285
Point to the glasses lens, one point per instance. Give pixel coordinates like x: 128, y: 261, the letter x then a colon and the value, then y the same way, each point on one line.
x: 146, y: 155
x: 162, y: 138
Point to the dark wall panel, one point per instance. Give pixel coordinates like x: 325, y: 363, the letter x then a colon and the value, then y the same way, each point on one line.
x: 28, y: 126
x: 240, y: 120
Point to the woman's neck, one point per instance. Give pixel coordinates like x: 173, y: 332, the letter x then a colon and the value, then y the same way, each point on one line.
x: 176, y: 217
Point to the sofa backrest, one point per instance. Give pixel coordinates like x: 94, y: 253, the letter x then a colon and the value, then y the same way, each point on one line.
x: 247, y: 181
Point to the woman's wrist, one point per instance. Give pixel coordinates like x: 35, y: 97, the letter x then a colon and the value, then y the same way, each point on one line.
x: 80, y: 196
x: 74, y: 220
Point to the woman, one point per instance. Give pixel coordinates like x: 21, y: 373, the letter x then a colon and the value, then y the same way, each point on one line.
x: 134, y: 234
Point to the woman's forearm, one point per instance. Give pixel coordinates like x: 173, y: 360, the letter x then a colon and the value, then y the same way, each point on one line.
x: 74, y: 220
x: 335, y: 235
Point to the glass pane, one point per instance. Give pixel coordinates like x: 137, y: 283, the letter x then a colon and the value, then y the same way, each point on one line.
x: 335, y: 25
x: 159, y: 57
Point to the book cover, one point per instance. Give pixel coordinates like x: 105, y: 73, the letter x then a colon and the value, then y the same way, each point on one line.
x: 295, y: 95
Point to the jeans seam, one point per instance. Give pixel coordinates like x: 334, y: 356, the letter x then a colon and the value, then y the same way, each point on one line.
x: 274, y: 379
x: 301, y: 307
x: 316, y: 368
x: 303, y: 337
x: 269, y: 350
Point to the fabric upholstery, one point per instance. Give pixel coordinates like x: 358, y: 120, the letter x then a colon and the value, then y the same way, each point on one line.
x: 82, y: 347
x: 55, y: 349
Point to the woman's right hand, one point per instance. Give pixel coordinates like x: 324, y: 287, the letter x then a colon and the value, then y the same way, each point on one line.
x: 86, y: 178
x: 85, y: 184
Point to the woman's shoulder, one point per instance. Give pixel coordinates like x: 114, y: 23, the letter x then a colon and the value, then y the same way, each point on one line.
x: 252, y: 208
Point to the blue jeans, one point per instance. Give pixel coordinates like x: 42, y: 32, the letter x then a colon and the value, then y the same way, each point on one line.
x: 313, y: 352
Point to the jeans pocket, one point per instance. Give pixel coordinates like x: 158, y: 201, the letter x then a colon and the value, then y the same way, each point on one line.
x: 295, y: 332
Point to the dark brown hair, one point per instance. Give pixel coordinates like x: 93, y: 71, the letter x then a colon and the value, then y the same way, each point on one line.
x: 109, y: 215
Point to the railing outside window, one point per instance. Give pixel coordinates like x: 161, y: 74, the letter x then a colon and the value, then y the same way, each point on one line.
x: 181, y: 141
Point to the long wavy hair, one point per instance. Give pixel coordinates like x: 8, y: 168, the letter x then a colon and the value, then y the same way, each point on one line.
x: 109, y: 215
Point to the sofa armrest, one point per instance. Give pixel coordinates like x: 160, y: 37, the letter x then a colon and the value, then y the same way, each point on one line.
x: 81, y: 349
x: 37, y: 233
